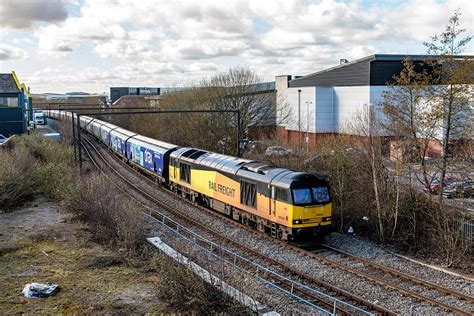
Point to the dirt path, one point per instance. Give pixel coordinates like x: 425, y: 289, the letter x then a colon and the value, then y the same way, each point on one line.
x: 42, y: 244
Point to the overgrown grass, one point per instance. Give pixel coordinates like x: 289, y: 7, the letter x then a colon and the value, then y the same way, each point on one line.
x: 113, y: 217
x: 35, y: 165
x: 186, y: 292
x: 17, y: 172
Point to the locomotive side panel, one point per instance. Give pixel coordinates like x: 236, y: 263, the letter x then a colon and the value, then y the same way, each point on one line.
x: 227, y: 189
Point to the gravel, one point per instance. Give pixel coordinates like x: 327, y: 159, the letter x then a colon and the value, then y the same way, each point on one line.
x: 369, y: 250
x: 369, y: 290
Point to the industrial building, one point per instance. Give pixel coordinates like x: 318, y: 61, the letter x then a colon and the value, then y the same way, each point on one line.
x: 15, y: 105
x: 117, y: 92
x: 327, y: 102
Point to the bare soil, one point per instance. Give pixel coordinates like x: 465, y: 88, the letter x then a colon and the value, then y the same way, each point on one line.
x: 41, y: 243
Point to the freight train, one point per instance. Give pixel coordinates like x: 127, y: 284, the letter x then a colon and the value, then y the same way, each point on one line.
x: 285, y: 204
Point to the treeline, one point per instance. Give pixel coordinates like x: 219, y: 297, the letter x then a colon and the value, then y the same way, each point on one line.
x: 429, y: 104
x: 226, y: 92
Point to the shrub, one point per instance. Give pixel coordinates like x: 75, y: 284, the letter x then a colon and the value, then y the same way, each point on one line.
x: 186, y: 292
x: 17, y: 173
x: 113, y: 218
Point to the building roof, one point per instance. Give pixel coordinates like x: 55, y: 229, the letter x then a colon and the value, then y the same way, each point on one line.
x: 8, y: 84
x: 377, y: 69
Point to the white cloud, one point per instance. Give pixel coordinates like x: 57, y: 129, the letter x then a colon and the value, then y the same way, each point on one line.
x: 207, y: 29
x: 95, y: 79
x: 20, y: 14
x: 416, y: 23
x: 159, y: 42
x: 8, y: 52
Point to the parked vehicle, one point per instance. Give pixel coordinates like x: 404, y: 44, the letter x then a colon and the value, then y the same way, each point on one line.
x: 39, y: 118
x: 459, y: 190
x: 255, y: 146
x: 435, y: 185
x: 278, y: 151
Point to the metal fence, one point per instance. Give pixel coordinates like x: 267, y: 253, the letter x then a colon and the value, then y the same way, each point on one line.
x: 466, y: 228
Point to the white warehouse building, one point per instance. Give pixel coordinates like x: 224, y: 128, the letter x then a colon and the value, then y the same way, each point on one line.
x: 327, y: 102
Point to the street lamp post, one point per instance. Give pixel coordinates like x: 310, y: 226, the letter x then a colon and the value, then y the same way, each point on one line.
x: 308, y: 103
x: 299, y: 117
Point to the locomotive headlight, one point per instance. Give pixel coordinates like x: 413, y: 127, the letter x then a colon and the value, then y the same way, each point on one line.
x: 297, y: 221
x: 327, y: 219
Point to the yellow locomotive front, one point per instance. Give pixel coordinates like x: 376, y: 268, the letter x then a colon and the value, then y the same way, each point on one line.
x: 285, y: 204
x: 307, y: 201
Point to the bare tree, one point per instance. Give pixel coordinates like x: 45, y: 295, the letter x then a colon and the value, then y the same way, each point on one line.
x: 451, y: 91
x: 411, y: 118
x: 237, y: 89
x: 367, y: 124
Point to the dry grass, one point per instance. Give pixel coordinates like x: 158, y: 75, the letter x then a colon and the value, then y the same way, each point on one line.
x: 34, y: 165
x: 113, y: 218
x: 186, y: 292
x: 123, y: 279
x: 92, y: 279
x: 16, y: 183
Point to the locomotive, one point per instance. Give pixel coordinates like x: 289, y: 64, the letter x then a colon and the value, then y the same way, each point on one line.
x: 285, y: 204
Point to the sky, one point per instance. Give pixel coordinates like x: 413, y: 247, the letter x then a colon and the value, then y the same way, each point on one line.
x: 90, y: 45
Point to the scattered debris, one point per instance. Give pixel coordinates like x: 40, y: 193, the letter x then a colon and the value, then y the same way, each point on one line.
x: 40, y: 290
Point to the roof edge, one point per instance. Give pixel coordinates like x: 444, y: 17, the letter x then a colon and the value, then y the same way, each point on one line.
x: 373, y: 57
x: 16, y: 80
x: 381, y: 57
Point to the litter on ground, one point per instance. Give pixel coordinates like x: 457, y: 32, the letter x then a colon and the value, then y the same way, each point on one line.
x: 40, y: 290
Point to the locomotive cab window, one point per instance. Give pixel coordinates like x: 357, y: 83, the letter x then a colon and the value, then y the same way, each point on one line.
x: 307, y: 196
x: 302, y: 196
x: 248, y: 193
x: 185, y: 172
x: 281, y: 195
x: 320, y: 194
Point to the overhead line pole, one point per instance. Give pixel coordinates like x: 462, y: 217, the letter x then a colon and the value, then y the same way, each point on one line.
x: 61, y: 108
x: 151, y: 112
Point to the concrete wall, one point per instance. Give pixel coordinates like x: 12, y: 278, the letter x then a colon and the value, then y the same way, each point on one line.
x: 301, y: 104
x: 332, y: 109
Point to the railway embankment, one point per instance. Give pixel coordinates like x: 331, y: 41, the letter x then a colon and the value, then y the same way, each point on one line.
x: 42, y: 243
x: 136, y: 183
x: 85, y: 236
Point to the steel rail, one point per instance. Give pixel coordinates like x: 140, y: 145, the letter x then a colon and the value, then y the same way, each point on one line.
x: 380, y: 281
x: 276, y: 280
x: 307, y: 277
x: 402, y: 275
x: 328, y: 261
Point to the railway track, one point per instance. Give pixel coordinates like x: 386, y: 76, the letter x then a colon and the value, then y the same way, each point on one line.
x: 379, y: 276
x: 402, y: 275
x: 304, y: 290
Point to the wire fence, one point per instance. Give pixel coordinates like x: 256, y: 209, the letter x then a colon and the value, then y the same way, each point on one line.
x: 466, y: 228
x: 177, y: 229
